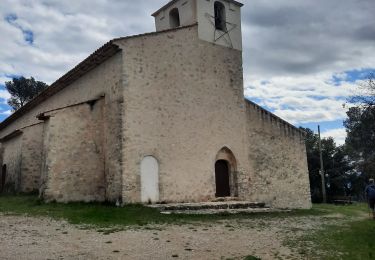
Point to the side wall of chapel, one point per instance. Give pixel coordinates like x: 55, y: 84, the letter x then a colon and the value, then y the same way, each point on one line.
x: 278, y: 153
x: 24, y: 151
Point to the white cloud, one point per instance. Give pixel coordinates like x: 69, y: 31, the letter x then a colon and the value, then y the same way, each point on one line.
x: 338, y: 135
x: 4, y: 94
x: 302, y: 99
x: 65, y: 32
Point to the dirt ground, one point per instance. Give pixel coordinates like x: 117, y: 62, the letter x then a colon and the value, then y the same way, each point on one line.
x: 24, y: 237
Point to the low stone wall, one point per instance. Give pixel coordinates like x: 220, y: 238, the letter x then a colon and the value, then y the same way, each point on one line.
x: 278, y: 154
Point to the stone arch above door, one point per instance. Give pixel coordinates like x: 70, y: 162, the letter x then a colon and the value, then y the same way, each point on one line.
x: 225, y: 154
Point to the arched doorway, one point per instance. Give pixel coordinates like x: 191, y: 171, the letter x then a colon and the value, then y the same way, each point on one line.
x: 149, y: 180
x: 222, y: 179
x: 3, y: 177
x: 174, y: 18
x: 226, y: 180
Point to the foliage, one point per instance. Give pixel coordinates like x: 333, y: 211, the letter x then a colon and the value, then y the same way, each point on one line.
x: 336, y: 165
x: 22, y: 90
x: 360, y: 128
x: 366, y: 92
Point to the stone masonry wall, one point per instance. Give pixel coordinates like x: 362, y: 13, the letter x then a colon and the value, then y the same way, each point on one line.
x: 11, y: 157
x: 22, y: 156
x: 105, y: 80
x: 183, y: 104
x: 73, y: 150
x: 278, y: 154
x: 32, y: 143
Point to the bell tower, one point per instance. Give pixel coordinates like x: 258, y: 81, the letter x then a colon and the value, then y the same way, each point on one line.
x: 219, y: 21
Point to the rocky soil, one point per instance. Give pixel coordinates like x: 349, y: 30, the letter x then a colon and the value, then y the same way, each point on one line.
x: 23, y: 237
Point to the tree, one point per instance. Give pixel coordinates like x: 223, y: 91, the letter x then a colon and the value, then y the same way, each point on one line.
x: 312, y: 152
x: 22, y: 90
x: 338, y: 168
x: 360, y: 128
x: 366, y: 92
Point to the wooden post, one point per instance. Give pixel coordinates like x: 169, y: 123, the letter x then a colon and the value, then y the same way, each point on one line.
x: 322, y: 169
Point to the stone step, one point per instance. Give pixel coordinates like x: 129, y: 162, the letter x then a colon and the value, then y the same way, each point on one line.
x: 225, y: 205
x: 224, y: 211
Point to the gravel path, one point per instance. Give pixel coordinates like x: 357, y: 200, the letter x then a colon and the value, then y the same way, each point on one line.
x: 24, y: 237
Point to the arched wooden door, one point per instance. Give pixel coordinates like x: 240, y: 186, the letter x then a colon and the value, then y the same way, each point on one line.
x: 222, y: 178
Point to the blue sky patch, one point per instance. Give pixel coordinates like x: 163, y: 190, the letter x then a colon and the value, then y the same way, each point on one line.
x: 324, y: 126
x: 28, y: 35
x: 11, y: 18
x: 352, y: 76
x: 3, y: 105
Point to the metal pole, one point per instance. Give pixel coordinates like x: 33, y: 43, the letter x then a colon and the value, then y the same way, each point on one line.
x: 322, y: 169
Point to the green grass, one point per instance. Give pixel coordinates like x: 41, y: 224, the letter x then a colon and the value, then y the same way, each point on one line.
x: 355, y: 241
x: 356, y: 209
x: 349, y: 239
x: 351, y: 236
x: 105, y: 215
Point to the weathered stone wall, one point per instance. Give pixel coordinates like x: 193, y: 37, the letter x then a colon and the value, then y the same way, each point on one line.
x: 183, y: 104
x: 187, y: 13
x: 73, y: 151
x: 11, y: 157
x: 31, y: 161
x: 105, y: 80
x: 21, y: 154
x: 278, y: 155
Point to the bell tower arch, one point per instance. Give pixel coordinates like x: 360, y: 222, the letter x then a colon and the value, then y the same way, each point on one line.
x: 219, y: 21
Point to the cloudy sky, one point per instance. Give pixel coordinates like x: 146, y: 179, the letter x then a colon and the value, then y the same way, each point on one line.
x: 302, y: 59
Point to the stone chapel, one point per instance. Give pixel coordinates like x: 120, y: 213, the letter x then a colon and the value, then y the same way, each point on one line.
x: 157, y: 117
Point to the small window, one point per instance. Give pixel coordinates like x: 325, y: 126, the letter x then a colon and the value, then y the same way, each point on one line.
x: 174, y: 18
x: 220, y: 19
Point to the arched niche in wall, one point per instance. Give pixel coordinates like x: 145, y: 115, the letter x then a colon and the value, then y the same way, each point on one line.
x: 149, y: 180
x: 174, y: 18
x: 220, y: 16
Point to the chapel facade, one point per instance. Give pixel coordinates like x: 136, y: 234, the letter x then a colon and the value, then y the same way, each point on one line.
x: 157, y: 117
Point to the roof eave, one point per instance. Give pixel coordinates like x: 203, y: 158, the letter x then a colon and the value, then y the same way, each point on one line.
x: 99, y: 56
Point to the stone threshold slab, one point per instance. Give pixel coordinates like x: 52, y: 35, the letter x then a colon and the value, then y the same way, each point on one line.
x: 224, y: 211
x: 225, y: 205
